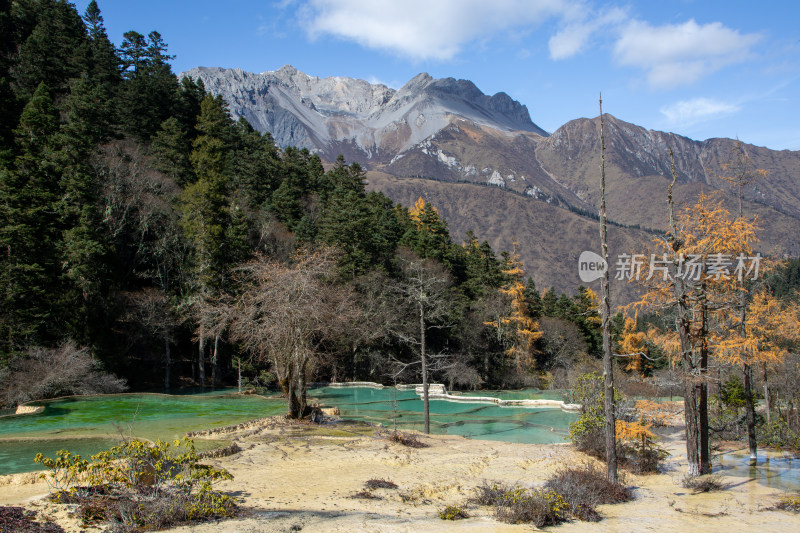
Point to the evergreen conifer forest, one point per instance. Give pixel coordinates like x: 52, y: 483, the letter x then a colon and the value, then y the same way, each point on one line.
x: 155, y: 243
x: 134, y: 212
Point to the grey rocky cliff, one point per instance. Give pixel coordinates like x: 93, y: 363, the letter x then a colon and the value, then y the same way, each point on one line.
x: 326, y: 114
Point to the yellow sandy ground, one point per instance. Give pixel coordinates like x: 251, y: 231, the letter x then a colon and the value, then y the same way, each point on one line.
x: 298, y: 477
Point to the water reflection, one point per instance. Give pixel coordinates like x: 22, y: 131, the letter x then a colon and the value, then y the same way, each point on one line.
x: 773, y: 469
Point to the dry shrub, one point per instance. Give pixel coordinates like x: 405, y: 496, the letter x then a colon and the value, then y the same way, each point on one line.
x: 407, y: 439
x: 789, y: 503
x: 709, y: 483
x: 519, y: 505
x: 51, y: 372
x: 365, y: 495
x: 586, y: 487
x: 538, y: 507
x: 571, y: 493
x: 19, y: 520
x: 373, y: 484
x: 489, y: 493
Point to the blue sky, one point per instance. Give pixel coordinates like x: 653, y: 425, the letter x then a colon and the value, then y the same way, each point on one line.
x: 703, y: 68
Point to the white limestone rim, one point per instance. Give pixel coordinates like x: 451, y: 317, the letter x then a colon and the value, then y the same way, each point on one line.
x: 437, y: 391
x: 25, y: 410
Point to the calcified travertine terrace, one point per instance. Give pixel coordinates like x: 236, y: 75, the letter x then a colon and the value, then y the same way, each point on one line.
x: 300, y: 476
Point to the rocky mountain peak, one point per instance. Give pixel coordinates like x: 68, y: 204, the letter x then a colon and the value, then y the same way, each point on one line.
x: 372, y: 121
x: 417, y: 83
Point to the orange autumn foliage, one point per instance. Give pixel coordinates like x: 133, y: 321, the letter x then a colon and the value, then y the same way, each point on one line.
x: 418, y: 209
x: 707, y: 232
x: 632, y: 345
x: 769, y: 327
x: 523, y: 331
x: 636, y: 431
x: 656, y: 413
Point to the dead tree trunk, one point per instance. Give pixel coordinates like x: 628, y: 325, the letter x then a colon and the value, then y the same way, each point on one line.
x: 426, y: 405
x: 215, y: 363
x: 167, y: 363
x: 201, y: 357
x: 683, y: 326
x: 702, y: 406
x: 767, y: 395
x: 605, y: 309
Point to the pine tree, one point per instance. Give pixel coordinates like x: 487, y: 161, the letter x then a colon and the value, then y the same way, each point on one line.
x: 171, y: 148
x: 56, y: 50
x: 28, y: 229
x: 210, y: 221
x: 150, y: 90
x: 103, y: 60
x: 187, y: 104
x: 82, y: 250
x: 533, y: 299
x: 482, y: 270
x: 428, y: 237
x: 299, y: 171
x: 256, y: 167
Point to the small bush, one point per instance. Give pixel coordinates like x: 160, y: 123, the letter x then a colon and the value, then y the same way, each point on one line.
x: 586, y: 513
x: 373, y: 484
x: 365, y: 495
x: 519, y: 505
x: 586, y: 487
x: 789, y: 503
x: 587, y: 432
x: 698, y: 484
x: 571, y: 493
x: 643, y: 460
x: 488, y: 494
x: 453, y: 512
x: 778, y: 434
x: 407, y: 439
x: 538, y: 507
x: 19, y: 520
x: 135, y: 486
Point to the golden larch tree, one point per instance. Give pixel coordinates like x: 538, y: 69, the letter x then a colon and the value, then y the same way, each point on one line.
x: 520, y: 330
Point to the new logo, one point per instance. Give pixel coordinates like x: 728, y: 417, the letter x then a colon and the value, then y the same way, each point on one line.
x: 591, y: 267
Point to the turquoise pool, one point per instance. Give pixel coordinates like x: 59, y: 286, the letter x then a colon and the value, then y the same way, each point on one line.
x: 475, y: 420
x: 89, y: 424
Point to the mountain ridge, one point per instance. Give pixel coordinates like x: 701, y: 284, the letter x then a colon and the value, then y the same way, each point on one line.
x: 450, y: 131
x: 312, y: 112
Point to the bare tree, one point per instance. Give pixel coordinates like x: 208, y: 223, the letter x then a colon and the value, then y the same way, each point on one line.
x: 605, y: 313
x: 562, y: 342
x: 51, y: 372
x: 153, y: 314
x: 425, y: 290
x: 138, y: 213
x: 286, y: 313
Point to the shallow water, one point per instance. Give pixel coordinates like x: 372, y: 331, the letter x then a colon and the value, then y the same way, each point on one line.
x: 148, y: 416
x: 772, y: 469
x: 89, y: 424
x: 476, y: 420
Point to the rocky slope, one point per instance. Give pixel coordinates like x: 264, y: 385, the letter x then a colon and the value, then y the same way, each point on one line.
x: 447, y: 130
x: 372, y: 122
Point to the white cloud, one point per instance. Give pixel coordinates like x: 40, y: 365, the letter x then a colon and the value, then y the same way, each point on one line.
x: 688, y: 112
x: 575, y: 36
x: 681, y: 54
x: 426, y: 29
